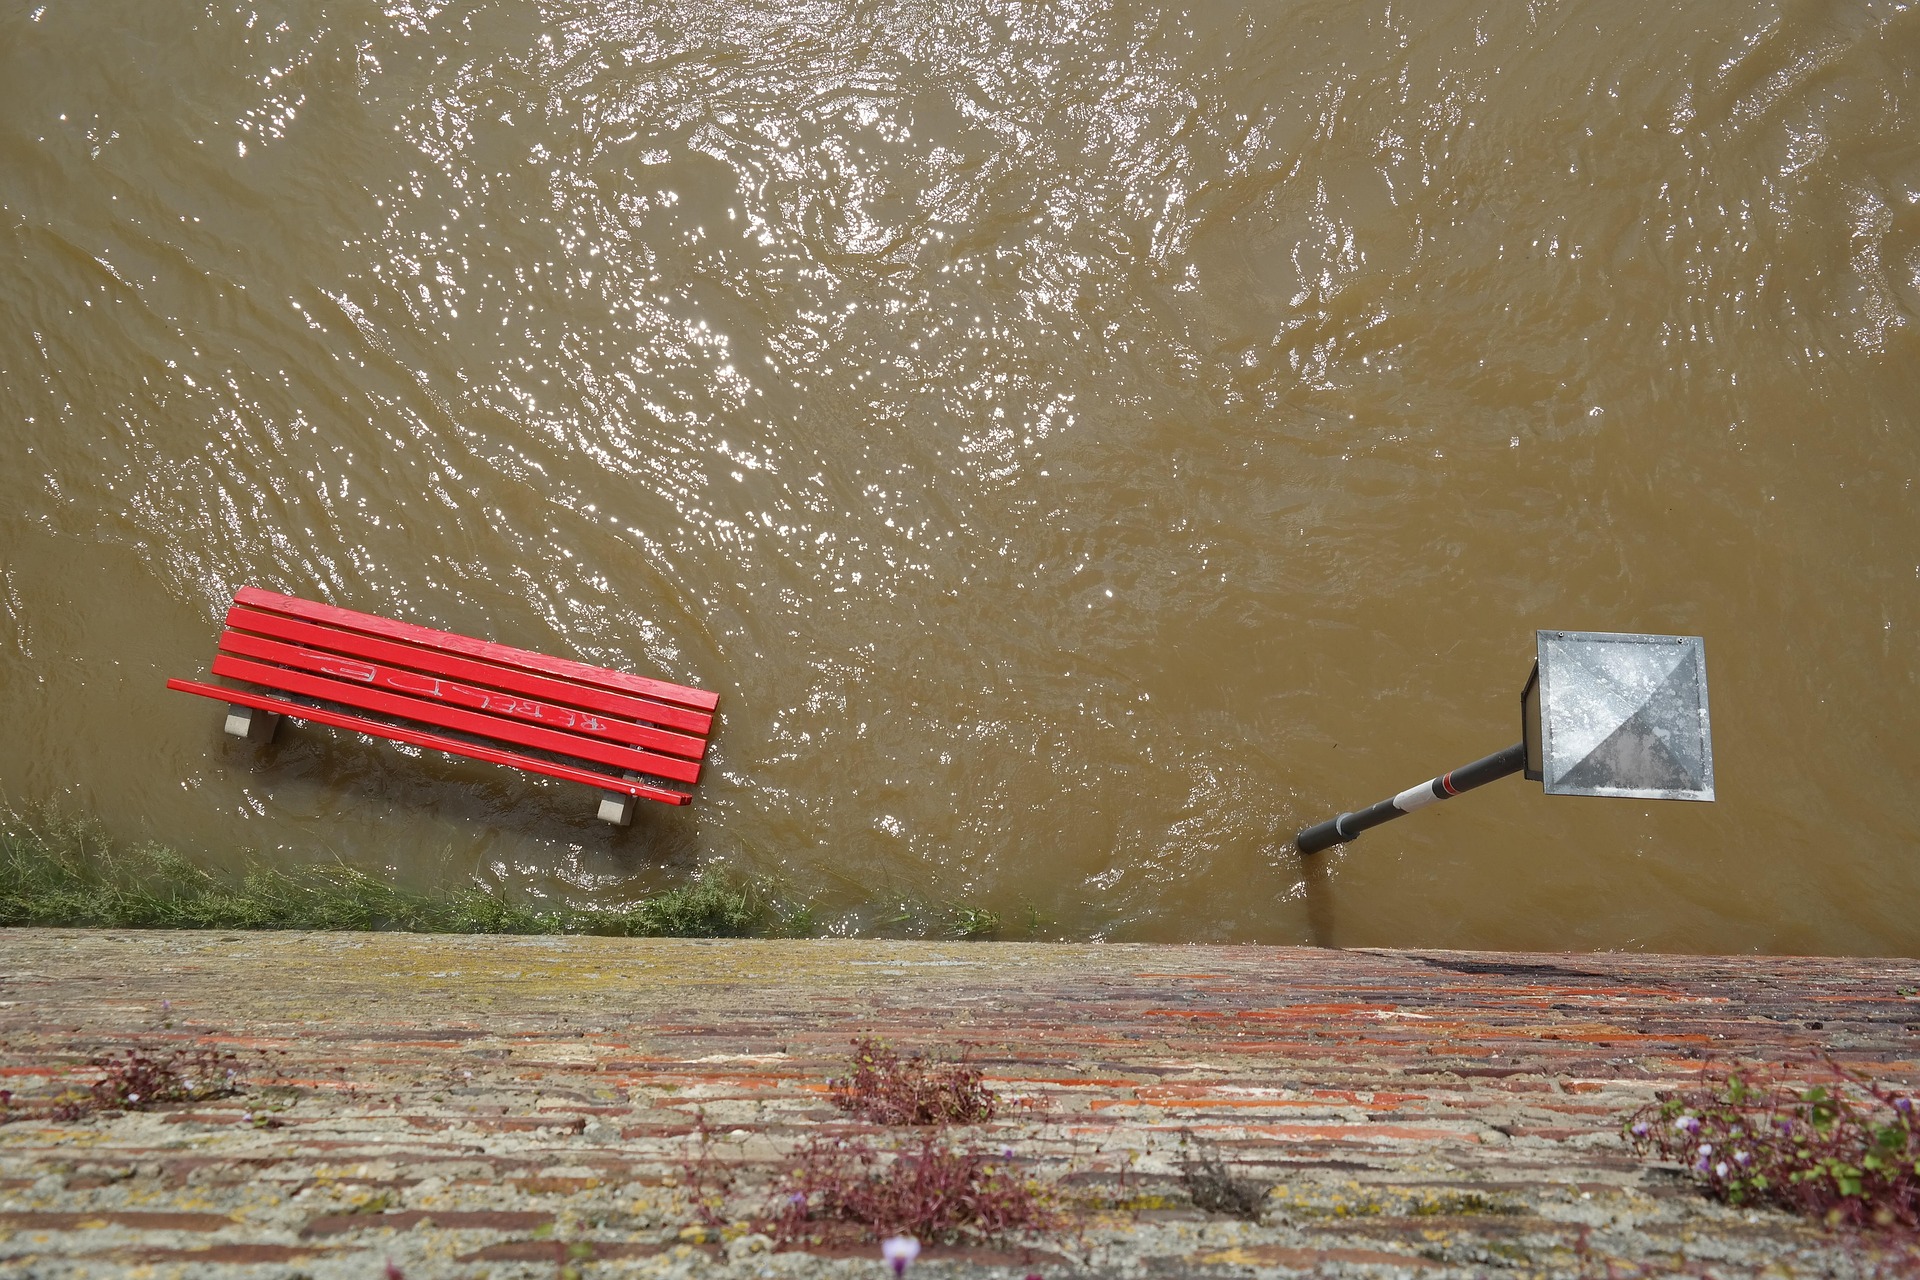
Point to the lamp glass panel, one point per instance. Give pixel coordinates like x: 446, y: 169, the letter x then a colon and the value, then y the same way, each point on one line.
x: 1625, y: 715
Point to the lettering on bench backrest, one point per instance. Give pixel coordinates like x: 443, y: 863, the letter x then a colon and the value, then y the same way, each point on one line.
x: 413, y: 682
x: 545, y: 712
x: 348, y: 669
x: 507, y: 705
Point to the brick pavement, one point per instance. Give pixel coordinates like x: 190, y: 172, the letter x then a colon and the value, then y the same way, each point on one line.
x: 467, y: 1106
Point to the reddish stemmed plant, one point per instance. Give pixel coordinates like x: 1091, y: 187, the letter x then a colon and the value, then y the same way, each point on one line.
x: 930, y: 1188
x: 927, y: 1190
x: 137, y: 1080
x: 885, y: 1088
x: 1846, y: 1151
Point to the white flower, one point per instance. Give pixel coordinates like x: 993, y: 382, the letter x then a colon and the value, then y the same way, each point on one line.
x: 898, y: 1251
x: 1706, y: 1148
x: 1721, y: 1169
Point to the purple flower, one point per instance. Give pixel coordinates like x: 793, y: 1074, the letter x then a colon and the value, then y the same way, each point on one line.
x: 1700, y: 1166
x: 898, y: 1251
x: 1742, y: 1159
x: 1687, y: 1124
x: 1903, y: 1105
x: 1641, y: 1130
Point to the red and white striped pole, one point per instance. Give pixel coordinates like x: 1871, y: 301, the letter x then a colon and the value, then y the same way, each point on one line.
x: 1324, y: 835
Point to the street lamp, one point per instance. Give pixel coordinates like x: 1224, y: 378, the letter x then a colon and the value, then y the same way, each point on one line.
x: 1602, y: 714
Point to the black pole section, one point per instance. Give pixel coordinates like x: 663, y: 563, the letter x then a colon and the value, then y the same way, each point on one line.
x: 1324, y: 835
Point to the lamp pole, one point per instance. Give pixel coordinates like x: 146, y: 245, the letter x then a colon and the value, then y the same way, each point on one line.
x: 1324, y: 835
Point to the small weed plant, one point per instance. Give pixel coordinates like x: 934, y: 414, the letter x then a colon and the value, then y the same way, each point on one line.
x: 885, y: 1088
x: 709, y: 1182
x: 138, y: 1081
x: 1214, y: 1187
x: 1846, y: 1152
x: 929, y: 1190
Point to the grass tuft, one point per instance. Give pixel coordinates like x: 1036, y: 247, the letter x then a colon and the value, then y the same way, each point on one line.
x: 971, y: 923
x: 58, y: 870
x: 713, y: 906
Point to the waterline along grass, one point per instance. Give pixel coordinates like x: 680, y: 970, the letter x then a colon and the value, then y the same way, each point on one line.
x: 62, y: 871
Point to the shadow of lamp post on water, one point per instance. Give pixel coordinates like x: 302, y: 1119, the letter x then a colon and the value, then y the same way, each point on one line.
x: 1602, y: 714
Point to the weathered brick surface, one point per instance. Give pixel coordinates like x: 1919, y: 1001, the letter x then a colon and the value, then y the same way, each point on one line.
x: 515, y: 1106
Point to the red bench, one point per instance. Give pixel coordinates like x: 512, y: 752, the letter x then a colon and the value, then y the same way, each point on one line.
x: 624, y: 734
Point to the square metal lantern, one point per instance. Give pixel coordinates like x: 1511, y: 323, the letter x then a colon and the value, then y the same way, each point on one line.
x: 1619, y: 715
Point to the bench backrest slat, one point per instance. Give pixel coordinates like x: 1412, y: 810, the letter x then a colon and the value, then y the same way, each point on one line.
x: 485, y: 650
x: 492, y: 687
x: 496, y: 702
x: 428, y: 711
x: 487, y: 674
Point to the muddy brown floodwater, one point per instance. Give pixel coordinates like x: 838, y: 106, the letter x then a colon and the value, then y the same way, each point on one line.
x: 1080, y: 443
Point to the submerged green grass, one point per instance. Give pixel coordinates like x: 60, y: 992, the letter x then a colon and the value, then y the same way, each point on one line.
x: 63, y: 871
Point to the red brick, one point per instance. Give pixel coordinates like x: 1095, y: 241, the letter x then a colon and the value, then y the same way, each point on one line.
x: 406, y: 1220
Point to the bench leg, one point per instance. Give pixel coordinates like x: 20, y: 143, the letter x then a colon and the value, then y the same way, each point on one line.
x: 617, y: 806
x: 252, y: 723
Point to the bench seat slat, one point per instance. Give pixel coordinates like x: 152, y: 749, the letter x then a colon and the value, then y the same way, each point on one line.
x: 435, y: 741
x: 454, y: 693
x: 487, y: 650
x: 439, y: 663
x: 426, y: 711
